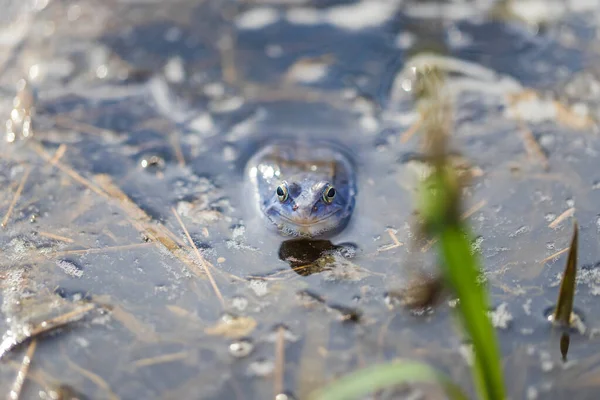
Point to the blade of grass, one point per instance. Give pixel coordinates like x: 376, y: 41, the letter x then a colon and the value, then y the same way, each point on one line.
x: 461, y: 270
x: 566, y: 294
x: 460, y: 267
x: 441, y: 203
x: 372, y: 379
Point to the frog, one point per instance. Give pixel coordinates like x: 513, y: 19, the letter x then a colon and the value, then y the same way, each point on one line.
x: 302, y: 188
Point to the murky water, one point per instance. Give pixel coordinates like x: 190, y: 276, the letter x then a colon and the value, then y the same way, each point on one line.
x: 146, y: 112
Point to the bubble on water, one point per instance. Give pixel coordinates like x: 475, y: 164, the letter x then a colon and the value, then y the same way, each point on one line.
x: 257, y: 18
x: 203, y: 124
x: 405, y: 40
x: 347, y: 250
x: 238, y: 232
x: 175, y: 70
x: 501, y: 317
x: 239, y: 303
x: 520, y: 231
x: 152, y: 162
x: 261, y: 367
x: 549, y: 217
x: 284, y: 396
x: 546, y: 361
x: 230, y: 153
x: 392, y: 300
x: 241, y: 348
x: 274, y: 50
x: 259, y: 287
x: 527, y: 307
x: 547, y: 140
x: 570, y: 202
x: 226, y: 104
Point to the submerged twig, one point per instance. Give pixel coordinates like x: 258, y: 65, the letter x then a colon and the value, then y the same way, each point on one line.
x: 16, y: 197
x: 566, y: 294
x: 58, y: 154
x: 395, y: 242
x: 200, y: 258
x: 162, y: 359
x: 550, y: 257
x: 566, y: 214
x: 54, y: 236
x: 279, y: 362
x: 410, y: 132
x: 13, y: 337
x: 95, y: 378
x: 66, y: 169
x: 15, y: 391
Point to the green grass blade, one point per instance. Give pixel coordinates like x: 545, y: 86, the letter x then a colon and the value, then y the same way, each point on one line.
x: 566, y: 294
x: 372, y: 379
x: 461, y: 270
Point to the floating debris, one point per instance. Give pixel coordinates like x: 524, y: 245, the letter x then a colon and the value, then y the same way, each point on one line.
x: 232, y: 327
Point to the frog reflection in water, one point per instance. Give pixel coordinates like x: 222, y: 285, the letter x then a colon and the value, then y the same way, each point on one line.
x: 302, y: 189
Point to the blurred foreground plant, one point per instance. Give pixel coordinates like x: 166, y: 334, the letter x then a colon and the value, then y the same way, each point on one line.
x: 440, y: 212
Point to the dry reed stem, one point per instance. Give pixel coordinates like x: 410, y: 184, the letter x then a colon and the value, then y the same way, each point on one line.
x: 17, y: 387
x: 56, y: 237
x: 410, y: 132
x: 16, y: 197
x: 67, y: 170
x: 163, y: 359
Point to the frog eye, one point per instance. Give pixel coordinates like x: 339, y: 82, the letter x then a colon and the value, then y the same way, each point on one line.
x: 282, y: 192
x: 329, y: 194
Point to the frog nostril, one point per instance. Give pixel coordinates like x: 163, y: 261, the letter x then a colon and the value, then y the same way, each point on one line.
x: 295, y: 207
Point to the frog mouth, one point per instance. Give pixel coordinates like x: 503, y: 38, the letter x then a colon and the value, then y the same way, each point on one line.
x: 305, y: 222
